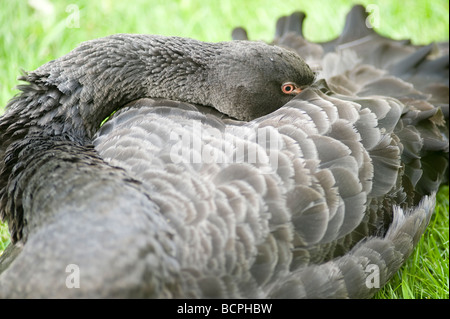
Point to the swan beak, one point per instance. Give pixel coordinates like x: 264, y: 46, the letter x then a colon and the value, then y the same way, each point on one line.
x: 297, y: 91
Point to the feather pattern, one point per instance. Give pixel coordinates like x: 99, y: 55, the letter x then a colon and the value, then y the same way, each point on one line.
x: 170, y: 198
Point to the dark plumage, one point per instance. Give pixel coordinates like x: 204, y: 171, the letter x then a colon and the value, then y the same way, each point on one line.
x: 155, y: 203
x: 68, y: 98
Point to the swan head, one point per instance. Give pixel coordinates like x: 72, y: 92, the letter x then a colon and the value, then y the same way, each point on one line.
x: 253, y: 79
x: 241, y: 79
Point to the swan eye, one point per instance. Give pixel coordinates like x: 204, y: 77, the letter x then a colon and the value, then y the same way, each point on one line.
x: 290, y: 88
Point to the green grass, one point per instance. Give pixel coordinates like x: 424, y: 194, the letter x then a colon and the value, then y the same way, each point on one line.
x: 425, y: 274
x: 4, y: 237
x: 29, y: 38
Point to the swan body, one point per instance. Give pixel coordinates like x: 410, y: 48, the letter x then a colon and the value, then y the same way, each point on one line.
x: 265, y: 195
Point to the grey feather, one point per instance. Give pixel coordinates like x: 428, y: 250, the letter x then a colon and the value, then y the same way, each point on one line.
x: 180, y: 194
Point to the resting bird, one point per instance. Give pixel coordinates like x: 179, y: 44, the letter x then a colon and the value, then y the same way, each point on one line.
x: 228, y: 170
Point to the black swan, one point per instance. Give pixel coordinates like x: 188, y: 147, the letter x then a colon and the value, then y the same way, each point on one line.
x: 293, y: 185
